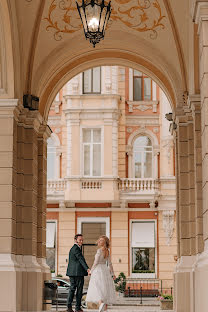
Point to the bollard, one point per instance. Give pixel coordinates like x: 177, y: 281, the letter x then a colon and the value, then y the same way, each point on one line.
x: 141, y: 295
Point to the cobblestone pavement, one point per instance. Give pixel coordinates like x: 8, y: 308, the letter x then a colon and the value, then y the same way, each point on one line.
x: 124, y: 309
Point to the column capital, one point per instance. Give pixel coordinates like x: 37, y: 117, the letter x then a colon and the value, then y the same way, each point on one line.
x: 194, y: 102
x: 44, y: 132
x: 199, y: 12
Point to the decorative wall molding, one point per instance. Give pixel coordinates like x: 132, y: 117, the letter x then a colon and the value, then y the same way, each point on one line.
x: 168, y: 144
x: 143, y: 106
x: 168, y: 224
x: 142, y: 120
x: 54, y: 121
x: 141, y: 16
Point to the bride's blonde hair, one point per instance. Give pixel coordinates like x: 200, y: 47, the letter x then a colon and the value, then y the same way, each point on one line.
x: 107, y: 245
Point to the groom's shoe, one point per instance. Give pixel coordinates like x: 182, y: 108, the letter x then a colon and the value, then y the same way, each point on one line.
x: 80, y: 310
x: 69, y: 309
x: 101, y: 307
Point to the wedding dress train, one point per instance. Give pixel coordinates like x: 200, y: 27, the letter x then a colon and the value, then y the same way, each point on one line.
x: 101, y: 285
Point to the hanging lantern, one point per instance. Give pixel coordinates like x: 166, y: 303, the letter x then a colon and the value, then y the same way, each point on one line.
x: 94, y: 15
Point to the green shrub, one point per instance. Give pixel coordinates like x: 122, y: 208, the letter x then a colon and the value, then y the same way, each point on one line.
x: 120, y: 282
x: 165, y: 297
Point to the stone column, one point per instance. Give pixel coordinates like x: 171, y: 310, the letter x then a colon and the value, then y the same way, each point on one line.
x: 32, y: 285
x: 185, y: 205
x: 43, y: 135
x: 200, y: 16
x: 121, y: 125
x: 10, y: 270
x: 195, y: 105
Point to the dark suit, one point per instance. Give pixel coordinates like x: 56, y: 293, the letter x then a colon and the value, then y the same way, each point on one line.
x: 76, y: 270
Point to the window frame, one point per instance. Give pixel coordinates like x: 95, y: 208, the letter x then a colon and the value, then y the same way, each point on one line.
x: 143, y: 275
x: 92, y: 92
x: 142, y: 157
x: 143, y: 76
x: 57, y: 159
x: 56, y: 242
x: 91, y: 153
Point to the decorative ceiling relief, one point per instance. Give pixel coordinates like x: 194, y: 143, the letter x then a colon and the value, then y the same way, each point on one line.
x: 140, y: 15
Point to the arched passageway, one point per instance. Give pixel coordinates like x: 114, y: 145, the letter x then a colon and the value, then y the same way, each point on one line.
x: 40, y: 69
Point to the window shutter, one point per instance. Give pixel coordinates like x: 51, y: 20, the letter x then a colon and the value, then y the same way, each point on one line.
x: 50, y: 234
x: 143, y: 234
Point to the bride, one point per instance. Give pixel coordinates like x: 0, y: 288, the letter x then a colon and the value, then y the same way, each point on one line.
x: 101, y: 287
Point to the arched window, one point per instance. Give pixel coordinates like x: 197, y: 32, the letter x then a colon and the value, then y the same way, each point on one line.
x: 51, y: 159
x: 142, y: 151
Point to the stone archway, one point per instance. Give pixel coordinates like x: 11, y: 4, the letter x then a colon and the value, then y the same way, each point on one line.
x: 23, y: 135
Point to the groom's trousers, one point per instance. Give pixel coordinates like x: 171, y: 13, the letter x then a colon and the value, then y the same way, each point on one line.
x: 77, y: 283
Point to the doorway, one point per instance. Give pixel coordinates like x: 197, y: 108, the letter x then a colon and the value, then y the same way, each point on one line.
x: 92, y: 229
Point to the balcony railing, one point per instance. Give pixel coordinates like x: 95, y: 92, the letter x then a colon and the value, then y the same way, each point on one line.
x: 138, y: 185
x: 91, y: 184
x: 58, y: 185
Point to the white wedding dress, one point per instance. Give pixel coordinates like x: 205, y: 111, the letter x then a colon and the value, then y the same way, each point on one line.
x: 101, y: 285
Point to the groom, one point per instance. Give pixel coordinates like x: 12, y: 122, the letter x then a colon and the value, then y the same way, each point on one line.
x: 76, y: 270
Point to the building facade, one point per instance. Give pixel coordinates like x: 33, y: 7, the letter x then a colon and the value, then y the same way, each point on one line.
x: 110, y: 170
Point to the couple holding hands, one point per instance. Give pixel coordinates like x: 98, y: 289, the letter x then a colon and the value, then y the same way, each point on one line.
x: 101, y: 286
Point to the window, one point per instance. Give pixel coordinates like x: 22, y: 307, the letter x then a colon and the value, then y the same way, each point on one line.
x: 51, y: 245
x: 91, y: 232
x: 142, y: 87
x: 51, y: 159
x: 143, y: 247
x: 92, y: 152
x: 142, y: 158
x: 92, y: 80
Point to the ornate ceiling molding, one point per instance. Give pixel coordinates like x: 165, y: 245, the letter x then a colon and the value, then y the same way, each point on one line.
x: 140, y: 15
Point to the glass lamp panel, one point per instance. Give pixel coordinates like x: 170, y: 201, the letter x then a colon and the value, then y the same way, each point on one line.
x: 86, y: 160
x: 148, y: 165
x: 87, y: 81
x: 138, y: 165
x: 93, y: 16
x: 97, y: 135
x: 96, y: 79
x: 84, y: 22
x: 86, y: 135
x: 96, y: 160
x: 137, y: 94
x: 147, y: 89
x: 102, y: 19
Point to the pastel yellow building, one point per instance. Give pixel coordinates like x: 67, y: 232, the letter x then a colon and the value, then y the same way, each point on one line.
x: 111, y: 171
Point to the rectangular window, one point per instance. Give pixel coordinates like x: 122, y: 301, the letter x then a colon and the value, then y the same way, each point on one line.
x: 91, y: 232
x: 143, y: 247
x: 51, y: 245
x: 142, y: 87
x: 92, y: 152
x: 92, y: 80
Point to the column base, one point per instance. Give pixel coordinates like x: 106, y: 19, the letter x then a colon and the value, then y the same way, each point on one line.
x: 10, y: 285
x: 201, y: 282
x: 184, y: 284
x: 22, y: 279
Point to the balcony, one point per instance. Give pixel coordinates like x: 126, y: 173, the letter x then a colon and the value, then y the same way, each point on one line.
x: 55, y: 189
x: 131, y: 188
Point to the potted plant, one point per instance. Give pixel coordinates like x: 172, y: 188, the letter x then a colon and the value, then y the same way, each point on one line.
x: 120, y: 283
x: 166, y: 302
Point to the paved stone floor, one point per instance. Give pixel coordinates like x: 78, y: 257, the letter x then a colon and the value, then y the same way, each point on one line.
x: 124, y: 309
